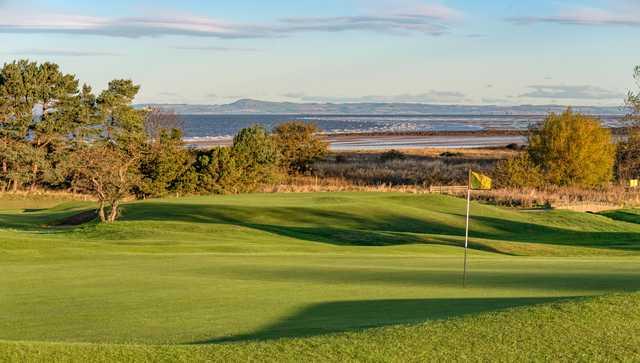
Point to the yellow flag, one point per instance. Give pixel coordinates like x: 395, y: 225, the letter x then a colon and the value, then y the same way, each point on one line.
x: 480, y: 182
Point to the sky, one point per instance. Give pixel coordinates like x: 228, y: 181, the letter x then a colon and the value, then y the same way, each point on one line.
x: 504, y: 52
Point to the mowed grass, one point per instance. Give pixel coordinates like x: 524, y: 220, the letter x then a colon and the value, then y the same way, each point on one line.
x: 269, y: 276
x: 603, y: 329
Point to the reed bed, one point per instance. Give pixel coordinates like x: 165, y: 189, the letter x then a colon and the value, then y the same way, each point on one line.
x: 402, y: 169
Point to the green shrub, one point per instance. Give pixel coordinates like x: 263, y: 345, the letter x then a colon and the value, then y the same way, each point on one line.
x: 392, y: 155
x: 256, y: 156
x: 163, y: 162
x: 299, y: 146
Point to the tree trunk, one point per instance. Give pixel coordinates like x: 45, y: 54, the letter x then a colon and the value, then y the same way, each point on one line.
x: 34, y: 170
x: 101, y: 213
x: 15, y: 185
x: 113, y: 215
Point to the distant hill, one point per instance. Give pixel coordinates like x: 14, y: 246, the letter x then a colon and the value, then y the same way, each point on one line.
x: 249, y: 106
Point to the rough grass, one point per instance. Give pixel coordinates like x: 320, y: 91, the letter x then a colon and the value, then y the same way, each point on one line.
x: 324, y: 276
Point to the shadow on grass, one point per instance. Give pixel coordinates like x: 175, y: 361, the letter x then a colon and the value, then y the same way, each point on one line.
x: 38, y: 220
x: 624, y: 216
x: 530, y: 277
x: 379, y: 228
x: 361, y: 227
x: 347, y: 316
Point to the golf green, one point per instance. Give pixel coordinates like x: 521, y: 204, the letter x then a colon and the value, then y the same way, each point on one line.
x: 237, y: 269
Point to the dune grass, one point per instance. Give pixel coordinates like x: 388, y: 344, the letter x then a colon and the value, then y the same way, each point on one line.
x: 270, y: 275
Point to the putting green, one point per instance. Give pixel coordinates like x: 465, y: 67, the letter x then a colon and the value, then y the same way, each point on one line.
x: 255, y: 267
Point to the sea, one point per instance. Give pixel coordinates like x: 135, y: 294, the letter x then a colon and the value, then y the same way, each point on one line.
x: 202, y: 128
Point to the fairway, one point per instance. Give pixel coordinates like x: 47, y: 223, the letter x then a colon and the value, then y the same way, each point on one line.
x: 240, y: 269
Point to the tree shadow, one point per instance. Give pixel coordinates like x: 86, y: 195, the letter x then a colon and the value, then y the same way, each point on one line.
x: 623, y: 216
x: 347, y: 316
x: 40, y: 220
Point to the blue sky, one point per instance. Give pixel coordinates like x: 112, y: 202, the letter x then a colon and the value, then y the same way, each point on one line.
x: 577, y: 52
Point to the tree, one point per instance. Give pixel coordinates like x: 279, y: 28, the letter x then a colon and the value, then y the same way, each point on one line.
x: 573, y: 150
x: 518, y: 172
x: 18, y: 97
x: 57, y: 95
x: 633, y: 99
x: 299, y: 145
x: 628, y: 158
x: 121, y: 122
x: 163, y: 162
x: 22, y: 164
x: 213, y: 171
x: 24, y: 87
x: 107, y: 172
x: 256, y: 156
x: 158, y: 119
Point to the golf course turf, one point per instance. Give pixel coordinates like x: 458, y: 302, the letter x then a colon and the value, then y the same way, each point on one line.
x: 326, y: 276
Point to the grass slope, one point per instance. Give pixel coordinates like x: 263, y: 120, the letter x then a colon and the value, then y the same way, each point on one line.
x: 604, y: 329
x: 252, y: 268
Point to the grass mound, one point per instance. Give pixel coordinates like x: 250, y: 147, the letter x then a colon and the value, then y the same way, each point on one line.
x: 603, y: 329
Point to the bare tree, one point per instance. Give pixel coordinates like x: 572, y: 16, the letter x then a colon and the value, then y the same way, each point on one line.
x: 159, y: 119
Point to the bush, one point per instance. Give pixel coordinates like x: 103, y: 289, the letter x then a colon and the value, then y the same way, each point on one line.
x: 256, y: 156
x: 299, y: 146
x: 573, y: 150
x: 164, y: 160
x: 216, y: 172
x: 449, y: 154
x: 628, y: 158
x: 392, y: 155
x: 518, y: 172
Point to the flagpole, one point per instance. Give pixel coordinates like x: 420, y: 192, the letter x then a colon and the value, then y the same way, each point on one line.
x: 466, y: 236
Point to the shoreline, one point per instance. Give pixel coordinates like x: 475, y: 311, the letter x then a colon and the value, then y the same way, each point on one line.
x: 409, y: 140
x: 403, y: 140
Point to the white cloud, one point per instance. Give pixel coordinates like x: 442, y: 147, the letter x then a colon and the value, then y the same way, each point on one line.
x: 59, y: 53
x: 427, y: 97
x: 430, y: 20
x: 620, y: 13
x: 216, y: 49
x: 571, y: 92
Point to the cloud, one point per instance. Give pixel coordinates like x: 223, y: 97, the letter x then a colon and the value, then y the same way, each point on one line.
x: 571, y: 92
x: 298, y: 95
x: 217, y: 49
x: 622, y: 13
x: 428, y: 97
x: 429, y: 20
x: 168, y: 94
x: 396, y: 24
x: 60, y: 53
x: 495, y: 101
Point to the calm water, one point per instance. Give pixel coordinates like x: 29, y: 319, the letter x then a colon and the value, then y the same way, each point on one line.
x: 215, y: 127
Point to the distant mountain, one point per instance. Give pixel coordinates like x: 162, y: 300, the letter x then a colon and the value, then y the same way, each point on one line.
x: 254, y: 107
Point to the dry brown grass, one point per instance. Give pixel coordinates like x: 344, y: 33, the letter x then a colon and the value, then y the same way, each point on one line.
x: 45, y: 194
x: 563, y: 198
x: 418, y: 168
x: 577, y: 199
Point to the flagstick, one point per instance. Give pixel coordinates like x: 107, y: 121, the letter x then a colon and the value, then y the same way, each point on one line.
x: 466, y: 237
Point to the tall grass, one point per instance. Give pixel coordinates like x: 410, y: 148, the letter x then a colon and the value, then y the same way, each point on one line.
x: 405, y: 169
